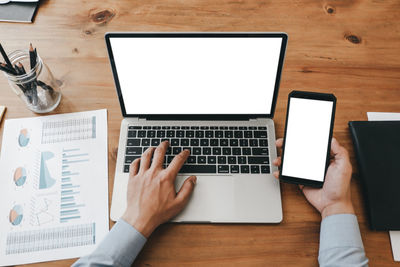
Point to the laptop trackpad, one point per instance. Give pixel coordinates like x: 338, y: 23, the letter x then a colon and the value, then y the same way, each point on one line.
x: 212, y: 199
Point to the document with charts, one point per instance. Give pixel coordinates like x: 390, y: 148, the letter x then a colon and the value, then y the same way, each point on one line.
x: 54, y: 187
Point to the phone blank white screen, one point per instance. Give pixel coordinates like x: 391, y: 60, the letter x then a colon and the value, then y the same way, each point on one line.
x: 197, y: 75
x: 307, y: 135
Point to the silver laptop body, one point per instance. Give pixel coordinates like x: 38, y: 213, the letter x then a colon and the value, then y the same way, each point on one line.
x: 226, y: 191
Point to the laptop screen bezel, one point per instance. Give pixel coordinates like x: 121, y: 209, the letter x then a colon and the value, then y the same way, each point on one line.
x: 284, y: 37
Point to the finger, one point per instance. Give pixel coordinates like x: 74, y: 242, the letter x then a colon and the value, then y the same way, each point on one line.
x: 337, y: 151
x: 279, y: 143
x: 277, y: 161
x: 146, y: 159
x: 178, y: 162
x: 134, y: 168
x: 276, y: 174
x: 184, y: 193
x: 159, y: 154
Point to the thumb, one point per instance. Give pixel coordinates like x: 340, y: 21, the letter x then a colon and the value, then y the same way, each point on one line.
x: 186, y: 190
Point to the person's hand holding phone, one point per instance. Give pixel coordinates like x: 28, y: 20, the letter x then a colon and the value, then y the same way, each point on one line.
x: 334, y: 197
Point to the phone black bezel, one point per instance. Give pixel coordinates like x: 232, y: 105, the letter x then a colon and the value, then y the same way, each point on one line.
x: 314, y: 96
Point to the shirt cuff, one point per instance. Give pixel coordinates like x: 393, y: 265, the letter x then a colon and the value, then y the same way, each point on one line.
x: 123, y: 243
x: 340, y: 230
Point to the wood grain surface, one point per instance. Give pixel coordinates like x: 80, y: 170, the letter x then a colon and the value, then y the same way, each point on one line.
x: 347, y: 47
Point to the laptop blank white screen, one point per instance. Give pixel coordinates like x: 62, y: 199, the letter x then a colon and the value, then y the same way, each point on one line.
x: 197, y: 75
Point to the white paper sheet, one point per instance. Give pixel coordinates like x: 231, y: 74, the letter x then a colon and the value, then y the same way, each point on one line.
x: 394, y: 235
x: 54, y: 187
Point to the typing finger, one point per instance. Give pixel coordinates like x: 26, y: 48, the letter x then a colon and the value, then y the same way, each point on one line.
x: 146, y: 159
x: 178, y: 162
x: 159, y: 154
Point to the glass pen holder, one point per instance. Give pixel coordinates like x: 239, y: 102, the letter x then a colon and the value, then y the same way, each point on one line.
x: 35, y: 85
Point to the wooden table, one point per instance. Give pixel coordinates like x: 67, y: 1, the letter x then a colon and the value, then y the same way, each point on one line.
x: 350, y: 48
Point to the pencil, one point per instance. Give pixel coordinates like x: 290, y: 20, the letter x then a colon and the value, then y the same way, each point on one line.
x: 3, y: 53
x: 32, y: 56
x: 5, y: 68
x: 21, y: 68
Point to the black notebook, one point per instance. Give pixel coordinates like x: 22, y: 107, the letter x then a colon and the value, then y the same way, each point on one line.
x: 18, y: 11
x: 377, y: 148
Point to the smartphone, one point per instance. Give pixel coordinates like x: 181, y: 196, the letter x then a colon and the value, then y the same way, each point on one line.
x: 307, y: 140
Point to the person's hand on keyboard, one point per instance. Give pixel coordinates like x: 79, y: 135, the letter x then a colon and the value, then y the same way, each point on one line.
x: 334, y: 196
x: 152, y: 199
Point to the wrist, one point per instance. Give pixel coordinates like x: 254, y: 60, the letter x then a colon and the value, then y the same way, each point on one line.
x: 345, y: 207
x: 140, y: 225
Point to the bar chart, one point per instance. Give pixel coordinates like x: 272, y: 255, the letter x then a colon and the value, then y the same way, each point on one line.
x: 71, y: 204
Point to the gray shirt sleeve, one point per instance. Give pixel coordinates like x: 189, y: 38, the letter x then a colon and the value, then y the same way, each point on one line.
x: 119, y: 248
x: 340, y: 242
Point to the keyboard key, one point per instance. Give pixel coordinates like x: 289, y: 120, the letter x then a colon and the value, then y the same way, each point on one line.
x: 219, y: 134
x: 195, y: 127
x: 253, y: 142
x: 147, y: 127
x: 174, y: 142
x: 233, y: 128
x: 185, y: 127
x: 133, y: 150
x: 228, y: 134
x: 252, y: 128
x: 196, y: 150
x: 204, y: 127
x: 206, y: 150
x: 244, y: 169
x: 176, y: 127
x: 170, y: 133
x: 226, y: 151
x: 194, y: 142
x: 204, y: 142
x: 188, y: 148
x: 223, y: 127
x: 235, y: 169
x: 260, y: 151
x: 248, y: 134
x: 191, y: 159
x: 166, y: 139
x: 132, y: 133
x: 155, y: 142
x: 216, y: 151
x: 224, y: 142
x: 180, y: 134
x: 221, y: 160
x: 160, y: 133
x: 233, y: 142
x: 232, y: 160
x: 236, y: 151
x: 214, y: 142
x: 223, y: 169
x: 255, y: 169
x: 169, y: 151
x: 169, y: 159
x: 176, y: 150
x: 199, y: 134
x: 184, y: 142
x: 243, y: 128
x: 156, y: 127
x: 126, y: 168
x: 129, y: 159
x: 242, y: 160
x: 141, y: 133
x: 211, y: 160
x: 133, y: 142
x: 264, y: 142
x: 260, y: 134
x: 213, y: 127
x: 151, y: 134
x: 145, y: 148
x: 244, y: 142
x: 238, y: 134
x: 201, y: 159
x: 198, y: 169
x: 258, y: 160
x: 262, y: 128
x: 145, y: 142
x: 246, y: 151
x: 166, y: 127
x: 135, y: 127
x: 209, y: 134
x: 265, y: 169
x: 189, y: 134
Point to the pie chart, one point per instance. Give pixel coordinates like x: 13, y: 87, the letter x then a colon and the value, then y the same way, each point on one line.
x: 20, y: 176
x: 16, y: 215
x: 23, y: 138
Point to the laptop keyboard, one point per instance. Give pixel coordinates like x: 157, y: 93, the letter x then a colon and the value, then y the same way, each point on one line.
x: 213, y: 149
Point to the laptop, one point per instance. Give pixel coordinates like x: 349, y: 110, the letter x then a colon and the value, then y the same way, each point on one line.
x: 214, y: 94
